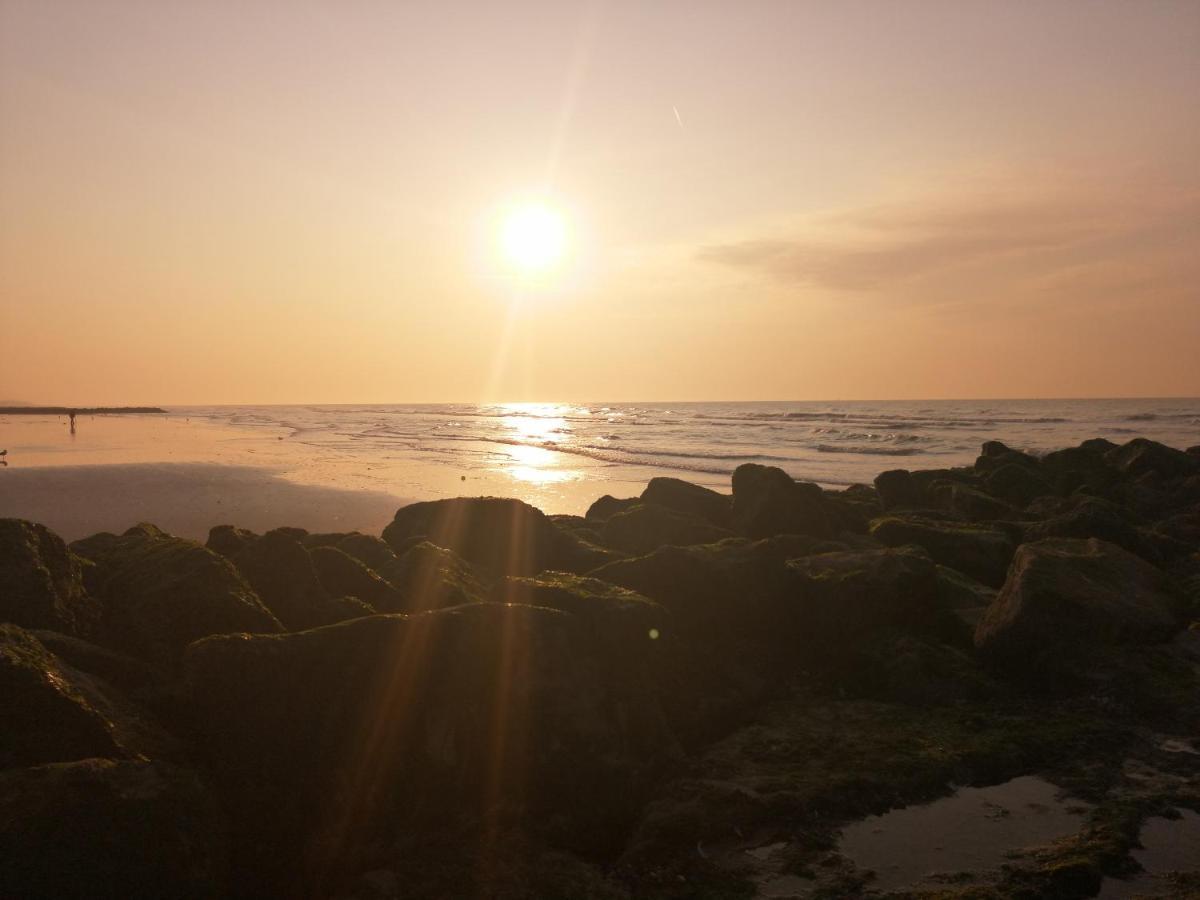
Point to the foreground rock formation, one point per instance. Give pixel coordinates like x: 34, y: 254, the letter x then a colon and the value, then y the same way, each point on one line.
x: 489, y: 702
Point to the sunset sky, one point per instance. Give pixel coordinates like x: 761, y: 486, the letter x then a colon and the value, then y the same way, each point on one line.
x: 281, y: 202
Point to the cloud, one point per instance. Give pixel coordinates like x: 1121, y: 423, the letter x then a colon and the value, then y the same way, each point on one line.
x: 1019, y: 232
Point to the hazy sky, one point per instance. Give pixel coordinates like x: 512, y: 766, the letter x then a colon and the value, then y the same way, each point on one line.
x: 296, y: 202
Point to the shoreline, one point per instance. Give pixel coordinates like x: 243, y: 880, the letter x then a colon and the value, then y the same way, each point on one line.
x: 185, y: 499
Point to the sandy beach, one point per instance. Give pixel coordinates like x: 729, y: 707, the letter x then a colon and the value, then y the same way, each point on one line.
x: 186, y: 499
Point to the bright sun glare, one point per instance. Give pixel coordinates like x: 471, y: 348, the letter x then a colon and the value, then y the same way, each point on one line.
x: 533, y: 238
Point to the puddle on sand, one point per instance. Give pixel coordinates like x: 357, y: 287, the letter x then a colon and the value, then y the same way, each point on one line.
x: 1169, y: 845
x: 972, y: 831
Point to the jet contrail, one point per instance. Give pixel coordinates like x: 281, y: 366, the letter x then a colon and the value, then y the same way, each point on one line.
x: 675, y: 110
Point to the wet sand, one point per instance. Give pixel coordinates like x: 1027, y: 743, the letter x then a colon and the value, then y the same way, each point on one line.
x: 186, y: 499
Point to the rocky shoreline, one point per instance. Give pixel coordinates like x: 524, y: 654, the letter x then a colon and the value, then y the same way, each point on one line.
x: 685, y: 694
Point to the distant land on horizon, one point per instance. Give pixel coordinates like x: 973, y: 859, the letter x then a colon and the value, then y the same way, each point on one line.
x: 24, y: 410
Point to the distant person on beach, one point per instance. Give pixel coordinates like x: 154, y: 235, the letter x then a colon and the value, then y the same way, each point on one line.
x: 71, y: 416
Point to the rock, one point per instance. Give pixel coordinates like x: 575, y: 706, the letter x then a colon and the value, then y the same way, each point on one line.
x: 1092, y: 517
x: 41, y: 581
x: 730, y: 605
x: 766, y: 502
x: 500, y: 536
x: 429, y: 577
x: 228, y: 540
x: 1017, y: 483
x: 1066, y: 593
x: 957, y: 591
x: 52, y: 713
x: 329, y: 739
x: 689, y: 499
x: 840, y: 596
x: 281, y: 571
x: 954, y: 496
x: 625, y: 624
x: 1142, y: 456
x: 343, y: 575
x: 162, y: 592
x: 995, y: 455
x: 897, y: 490
x: 117, y: 669
x: 646, y: 527
x: 608, y: 506
x: 1082, y: 466
x: 980, y: 551
x: 102, y: 828
x: 372, y: 552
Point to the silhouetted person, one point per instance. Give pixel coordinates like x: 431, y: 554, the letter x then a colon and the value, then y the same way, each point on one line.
x: 71, y: 416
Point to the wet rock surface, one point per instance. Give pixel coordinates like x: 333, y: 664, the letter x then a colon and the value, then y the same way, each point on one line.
x: 685, y: 694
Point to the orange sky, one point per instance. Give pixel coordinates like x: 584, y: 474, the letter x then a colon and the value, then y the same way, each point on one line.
x: 294, y: 202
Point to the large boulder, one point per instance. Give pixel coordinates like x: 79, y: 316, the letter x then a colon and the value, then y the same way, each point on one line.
x: 956, y: 497
x: 342, y: 575
x: 840, y: 596
x: 608, y: 506
x: 500, y: 536
x: 646, y: 527
x: 229, y: 540
x: 1018, y: 483
x: 52, y: 712
x: 690, y: 499
x: 1084, y: 466
x: 281, y: 571
x: 897, y: 489
x: 162, y: 592
x: 488, y: 715
x: 41, y: 582
x: 428, y: 577
x: 981, y: 551
x: 1142, y: 456
x: 371, y: 551
x: 1092, y: 517
x: 1063, y: 594
x: 103, y: 828
x: 767, y: 501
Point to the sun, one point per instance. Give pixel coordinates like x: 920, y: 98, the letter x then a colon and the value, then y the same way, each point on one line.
x: 533, y: 238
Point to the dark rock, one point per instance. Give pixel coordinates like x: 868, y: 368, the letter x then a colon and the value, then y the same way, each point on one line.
x: 372, y: 552
x: 996, y: 455
x: 101, y: 828
x: 343, y: 575
x: 41, y: 581
x: 689, y: 499
x: 117, y: 669
x: 52, y: 713
x: 1091, y: 517
x: 1142, y: 456
x: 429, y: 577
x: 647, y: 527
x: 281, y: 571
x: 162, y: 592
x: 982, y: 552
x: 898, y: 490
x: 608, y: 506
x: 1017, y: 484
x: 1082, y: 466
x: 1193, y: 451
x: 954, y: 496
x: 228, y: 540
x: 767, y: 501
x: 958, y: 591
x: 1063, y: 593
x: 500, y: 536
x: 329, y: 739
x: 840, y: 596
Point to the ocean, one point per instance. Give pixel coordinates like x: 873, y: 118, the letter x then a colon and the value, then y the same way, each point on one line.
x: 351, y: 466
x: 543, y: 445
